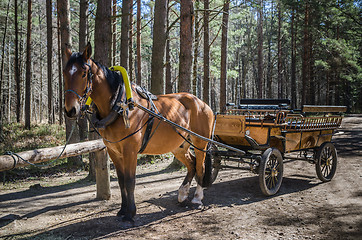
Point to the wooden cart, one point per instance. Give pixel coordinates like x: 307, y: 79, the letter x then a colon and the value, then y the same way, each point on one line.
x: 269, y: 132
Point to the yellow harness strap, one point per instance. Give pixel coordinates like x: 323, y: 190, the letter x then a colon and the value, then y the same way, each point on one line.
x: 127, y: 84
x: 126, y: 81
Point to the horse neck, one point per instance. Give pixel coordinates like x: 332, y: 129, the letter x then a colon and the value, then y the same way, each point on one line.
x: 101, y: 94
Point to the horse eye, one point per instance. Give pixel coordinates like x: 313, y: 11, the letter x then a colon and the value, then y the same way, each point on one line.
x: 84, y: 74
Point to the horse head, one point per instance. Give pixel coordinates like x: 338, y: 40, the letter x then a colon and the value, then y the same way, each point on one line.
x: 77, y: 80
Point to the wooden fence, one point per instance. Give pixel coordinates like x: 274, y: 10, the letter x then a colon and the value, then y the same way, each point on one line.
x: 8, y: 162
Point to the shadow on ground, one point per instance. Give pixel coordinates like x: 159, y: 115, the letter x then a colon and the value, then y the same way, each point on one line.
x: 241, y: 191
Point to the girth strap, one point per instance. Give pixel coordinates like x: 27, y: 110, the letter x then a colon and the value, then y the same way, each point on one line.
x: 147, y: 136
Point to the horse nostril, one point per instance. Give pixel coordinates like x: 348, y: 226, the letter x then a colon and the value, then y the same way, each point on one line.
x: 72, y: 113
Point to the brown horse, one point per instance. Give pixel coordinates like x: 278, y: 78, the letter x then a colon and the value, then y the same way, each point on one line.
x: 84, y: 77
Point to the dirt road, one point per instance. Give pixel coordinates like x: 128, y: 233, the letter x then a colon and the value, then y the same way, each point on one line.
x: 64, y: 206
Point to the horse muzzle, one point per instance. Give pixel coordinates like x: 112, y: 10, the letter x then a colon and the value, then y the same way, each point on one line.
x: 72, y: 112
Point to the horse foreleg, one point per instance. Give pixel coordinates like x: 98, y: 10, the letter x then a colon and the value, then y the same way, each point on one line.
x: 120, y: 176
x: 184, y: 156
x: 126, y: 173
x: 130, y: 183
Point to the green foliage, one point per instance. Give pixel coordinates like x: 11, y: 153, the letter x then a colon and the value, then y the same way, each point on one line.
x: 17, y: 138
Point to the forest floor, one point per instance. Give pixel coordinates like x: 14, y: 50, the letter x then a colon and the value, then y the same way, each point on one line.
x: 63, y: 206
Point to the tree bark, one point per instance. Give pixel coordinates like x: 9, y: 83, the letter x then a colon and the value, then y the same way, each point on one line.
x: 280, y: 76
x: 206, y: 80
x: 223, y: 64
x: 16, y: 62
x: 158, y: 47
x: 83, y: 36
x: 83, y: 24
x: 126, y: 6
x: 139, y: 67
x: 305, y: 64
x: 60, y: 81
x: 2, y: 107
x: 293, y: 62
x: 50, y: 60
x: 168, y: 83
x: 260, y: 50
x: 64, y: 21
x: 28, y: 68
x: 114, y: 31
x: 48, y: 154
x: 196, y: 52
x: 130, y: 45
x: 186, y: 25
x: 102, y: 53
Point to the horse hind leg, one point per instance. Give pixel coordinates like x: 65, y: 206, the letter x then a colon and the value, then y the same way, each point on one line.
x: 200, y: 171
x: 183, y: 155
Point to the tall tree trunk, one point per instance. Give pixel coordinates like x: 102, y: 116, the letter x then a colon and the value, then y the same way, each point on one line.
x: 9, y: 87
x: 64, y: 21
x: 103, y: 33
x: 168, y: 83
x: 260, y: 50
x: 223, y: 70
x: 306, y: 57
x: 126, y: 6
x: 50, y: 60
x: 196, y: 52
x: 28, y: 69
x: 130, y: 58
x: 40, y: 58
x: 2, y: 107
x: 280, y: 76
x: 102, y: 53
x: 312, y: 88
x: 16, y: 63
x: 186, y: 25
x: 83, y: 36
x: 206, y: 80
x: 114, y: 31
x: 158, y: 47
x: 60, y: 81
x: 269, y: 72
x: 83, y: 24
x: 138, y: 74
x: 293, y: 63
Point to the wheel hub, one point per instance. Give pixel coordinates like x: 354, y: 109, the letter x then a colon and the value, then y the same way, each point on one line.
x: 274, y: 172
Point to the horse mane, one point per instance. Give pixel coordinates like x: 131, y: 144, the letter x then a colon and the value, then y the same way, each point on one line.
x: 113, y: 78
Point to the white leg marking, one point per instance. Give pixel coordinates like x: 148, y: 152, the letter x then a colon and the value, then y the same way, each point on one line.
x: 199, y: 195
x: 183, y: 192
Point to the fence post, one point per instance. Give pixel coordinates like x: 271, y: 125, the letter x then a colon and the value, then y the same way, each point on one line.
x: 102, y: 175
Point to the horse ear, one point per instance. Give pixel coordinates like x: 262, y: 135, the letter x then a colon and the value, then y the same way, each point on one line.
x: 87, y: 52
x: 67, y: 52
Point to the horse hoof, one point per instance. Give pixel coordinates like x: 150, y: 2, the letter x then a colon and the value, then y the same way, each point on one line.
x: 185, y: 203
x: 198, y: 206
x: 121, y: 213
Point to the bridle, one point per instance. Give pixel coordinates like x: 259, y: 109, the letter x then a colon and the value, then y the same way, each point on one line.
x: 89, y: 87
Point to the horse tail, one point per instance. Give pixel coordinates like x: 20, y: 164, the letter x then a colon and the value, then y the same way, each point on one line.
x: 207, y: 181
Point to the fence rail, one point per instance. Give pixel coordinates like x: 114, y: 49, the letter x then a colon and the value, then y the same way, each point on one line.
x: 47, y: 154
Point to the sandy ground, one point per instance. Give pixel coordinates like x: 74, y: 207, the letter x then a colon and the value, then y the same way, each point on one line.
x: 64, y: 206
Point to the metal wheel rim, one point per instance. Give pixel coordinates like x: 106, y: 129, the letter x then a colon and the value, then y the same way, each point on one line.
x: 272, y: 172
x: 327, y: 161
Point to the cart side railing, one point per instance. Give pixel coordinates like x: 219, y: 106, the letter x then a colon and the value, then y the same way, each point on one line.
x: 311, y: 123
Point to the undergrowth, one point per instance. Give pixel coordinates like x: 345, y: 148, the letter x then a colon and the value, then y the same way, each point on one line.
x: 17, y: 139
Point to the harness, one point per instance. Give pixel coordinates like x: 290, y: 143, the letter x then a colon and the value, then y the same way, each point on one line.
x: 84, y: 99
x: 122, y: 103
